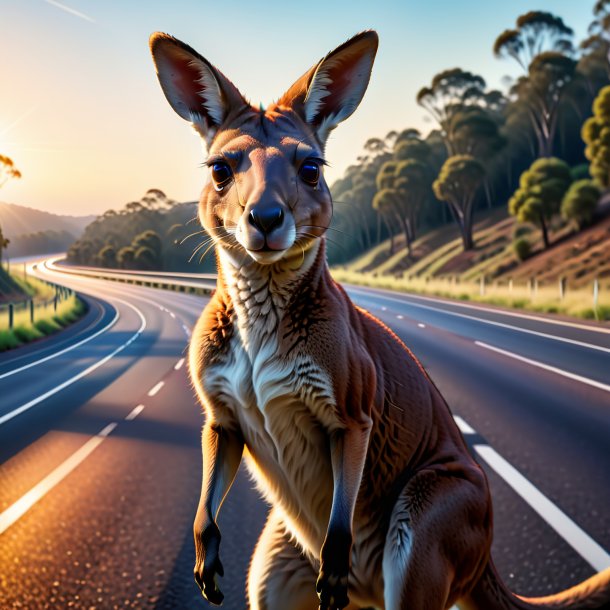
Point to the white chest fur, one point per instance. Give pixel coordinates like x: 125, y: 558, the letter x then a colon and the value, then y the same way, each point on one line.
x: 283, y: 404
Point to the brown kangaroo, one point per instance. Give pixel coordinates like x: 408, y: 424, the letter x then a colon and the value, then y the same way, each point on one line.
x: 373, y: 489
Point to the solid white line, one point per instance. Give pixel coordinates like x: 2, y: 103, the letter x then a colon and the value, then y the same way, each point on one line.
x: 499, y: 324
x: 135, y: 413
x: 179, y: 364
x: 546, y: 367
x: 21, y: 506
x: 465, y: 427
x: 63, y: 351
x: 156, y: 388
x: 578, y: 539
x: 28, y: 405
x: 514, y: 314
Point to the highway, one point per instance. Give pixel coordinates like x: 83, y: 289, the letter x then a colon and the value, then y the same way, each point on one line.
x: 100, y: 461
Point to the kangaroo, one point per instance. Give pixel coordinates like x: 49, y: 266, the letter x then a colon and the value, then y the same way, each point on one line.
x: 376, y: 500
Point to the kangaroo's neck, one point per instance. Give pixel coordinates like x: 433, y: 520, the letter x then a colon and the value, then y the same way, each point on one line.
x: 263, y: 295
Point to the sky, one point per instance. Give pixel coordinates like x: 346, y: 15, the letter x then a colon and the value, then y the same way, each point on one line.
x: 83, y: 117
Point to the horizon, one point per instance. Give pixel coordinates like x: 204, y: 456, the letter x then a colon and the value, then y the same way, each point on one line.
x: 101, y: 133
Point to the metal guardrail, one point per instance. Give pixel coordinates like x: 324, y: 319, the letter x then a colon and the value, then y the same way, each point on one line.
x: 202, y: 284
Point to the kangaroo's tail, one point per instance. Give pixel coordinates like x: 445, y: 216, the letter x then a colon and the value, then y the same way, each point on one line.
x: 490, y: 593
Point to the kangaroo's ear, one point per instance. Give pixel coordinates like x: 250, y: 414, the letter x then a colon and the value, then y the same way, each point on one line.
x: 195, y: 89
x: 329, y: 92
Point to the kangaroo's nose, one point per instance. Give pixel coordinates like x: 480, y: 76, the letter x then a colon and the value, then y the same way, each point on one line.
x: 266, y: 218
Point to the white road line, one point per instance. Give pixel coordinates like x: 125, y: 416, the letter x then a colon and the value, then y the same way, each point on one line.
x: 578, y: 539
x: 465, y: 427
x: 28, y: 405
x: 63, y: 351
x: 546, y: 367
x: 172, y: 314
x: 421, y: 325
x: 155, y: 389
x: 187, y: 330
x: 134, y: 413
x: 503, y: 312
x: 501, y: 324
x: 179, y: 364
x: 400, y: 316
x: 14, y: 512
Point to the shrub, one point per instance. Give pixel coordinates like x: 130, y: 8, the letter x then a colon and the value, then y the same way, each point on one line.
x: 25, y: 334
x: 8, y: 340
x: 522, y: 248
x: 520, y: 230
x: 47, y: 327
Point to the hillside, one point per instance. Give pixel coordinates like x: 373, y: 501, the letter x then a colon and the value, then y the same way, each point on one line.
x: 21, y: 220
x: 577, y: 257
x: 9, y: 289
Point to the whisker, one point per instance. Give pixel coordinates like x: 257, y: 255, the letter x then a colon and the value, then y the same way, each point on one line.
x: 191, y: 235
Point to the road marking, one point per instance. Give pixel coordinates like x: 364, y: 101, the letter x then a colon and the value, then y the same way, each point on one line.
x: 421, y: 325
x: 28, y: 405
x: 546, y: 367
x: 63, y: 351
x: 464, y: 427
x: 155, y: 390
x: 400, y: 316
x: 134, y: 413
x: 172, y: 314
x: 14, y: 512
x: 578, y: 539
x: 383, y: 308
x: 187, y: 330
x: 179, y: 364
x: 503, y: 312
x: 500, y: 324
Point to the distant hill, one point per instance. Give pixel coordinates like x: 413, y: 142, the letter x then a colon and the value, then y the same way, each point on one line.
x: 18, y: 220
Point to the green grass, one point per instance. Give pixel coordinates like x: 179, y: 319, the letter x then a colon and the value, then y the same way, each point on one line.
x: 544, y: 299
x: 47, y: 322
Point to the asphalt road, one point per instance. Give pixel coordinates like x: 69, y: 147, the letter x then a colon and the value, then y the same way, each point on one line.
x: 100, y: 458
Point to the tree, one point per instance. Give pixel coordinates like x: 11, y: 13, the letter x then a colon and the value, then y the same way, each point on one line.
x: 4, y: 242
x: 457, y: 184
x: 596, y: 135
x: 542, y: 45
x: 536, y: 32
x: 541, y: 190
x: 107, y: 256
x: 580, y: 201
x: 125, y: 257
x: 7, y: 170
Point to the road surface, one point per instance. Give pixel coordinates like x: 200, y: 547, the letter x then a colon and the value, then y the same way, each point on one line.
x: 100, y: 458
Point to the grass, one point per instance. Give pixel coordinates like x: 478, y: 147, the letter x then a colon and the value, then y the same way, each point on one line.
x: 539, y: 298
x: 47, y: 321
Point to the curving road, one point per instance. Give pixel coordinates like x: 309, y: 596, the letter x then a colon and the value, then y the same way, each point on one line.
x: 100, y: 459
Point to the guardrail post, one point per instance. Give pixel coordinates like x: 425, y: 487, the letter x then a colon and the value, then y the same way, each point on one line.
x: 482, y: 286
x: 10, y: 315
x: 32, y: 311
x: 595, y: 296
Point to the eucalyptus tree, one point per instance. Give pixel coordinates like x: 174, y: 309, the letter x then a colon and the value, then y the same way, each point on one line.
x: 596, y: 134
x: 457, y: 185
x: 541, y: 190
x: 579, y: 202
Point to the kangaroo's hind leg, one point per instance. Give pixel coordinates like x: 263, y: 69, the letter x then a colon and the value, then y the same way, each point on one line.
x: 437, y: 541
x: 281, y: 577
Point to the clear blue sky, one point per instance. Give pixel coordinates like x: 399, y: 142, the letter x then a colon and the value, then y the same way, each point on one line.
x: 82, y: 115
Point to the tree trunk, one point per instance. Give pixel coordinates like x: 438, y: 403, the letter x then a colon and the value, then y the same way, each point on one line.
x: 545, y: 232
x: 405, y: 230
x: 390, y: 233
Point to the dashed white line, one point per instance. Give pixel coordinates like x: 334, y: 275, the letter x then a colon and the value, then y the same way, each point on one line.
x: 155, y: 390
x: 438, y: 310
x: 179, y: 364
x: 400, y: 316
x: 546, y: 367
x: 136, y: 411
x: 172, y: 314
x: 383, y: 308
x: 578, y: 539
x: 421, y: 325
x: 28, y: 405
x: 14, y: 512
x: 187, y: 330
x: 465, y: 427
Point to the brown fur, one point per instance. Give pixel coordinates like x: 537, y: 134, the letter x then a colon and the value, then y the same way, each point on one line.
x: 373, y: 488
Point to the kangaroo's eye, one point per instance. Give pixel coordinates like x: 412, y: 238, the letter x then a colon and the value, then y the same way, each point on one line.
x: 221, y: 174
x: 310, y: 173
